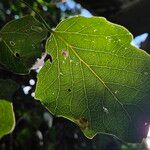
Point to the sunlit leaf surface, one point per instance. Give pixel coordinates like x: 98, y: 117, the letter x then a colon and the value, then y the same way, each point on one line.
x: 97, y: 79
x: 7, y: 120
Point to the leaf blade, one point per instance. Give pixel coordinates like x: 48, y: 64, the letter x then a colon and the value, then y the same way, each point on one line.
x: 20, y: 41
x: 93, y: 72
x: 7, y: 117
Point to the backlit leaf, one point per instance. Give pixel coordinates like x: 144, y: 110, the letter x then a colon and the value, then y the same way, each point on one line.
x: 7, y: 120
x: 97, y: 79
x: 19, y: 44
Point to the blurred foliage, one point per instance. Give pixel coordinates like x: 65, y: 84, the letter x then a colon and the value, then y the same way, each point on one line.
x: 12, y: 9
x: 35, y: 127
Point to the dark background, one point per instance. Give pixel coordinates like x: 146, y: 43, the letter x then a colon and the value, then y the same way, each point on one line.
x: 36, y: 129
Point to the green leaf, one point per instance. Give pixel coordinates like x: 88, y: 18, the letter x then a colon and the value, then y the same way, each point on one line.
x: 7, y: 120
x: 20, y: 44
x: 97, y: 79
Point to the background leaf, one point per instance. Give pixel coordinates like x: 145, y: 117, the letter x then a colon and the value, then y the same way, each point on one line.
x: 20, y: 44
x: 7, y: 120
x: 97, y: 79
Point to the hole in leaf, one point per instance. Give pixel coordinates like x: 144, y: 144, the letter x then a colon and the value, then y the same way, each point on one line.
x: 17, y: 55
x: 69, y: 90
x: 49, y: 57
x: 36, y: 29
x: 12, y: 43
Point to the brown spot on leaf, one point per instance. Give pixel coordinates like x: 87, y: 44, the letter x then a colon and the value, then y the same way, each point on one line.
x: 65, y: 54
x: 82, y: 122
